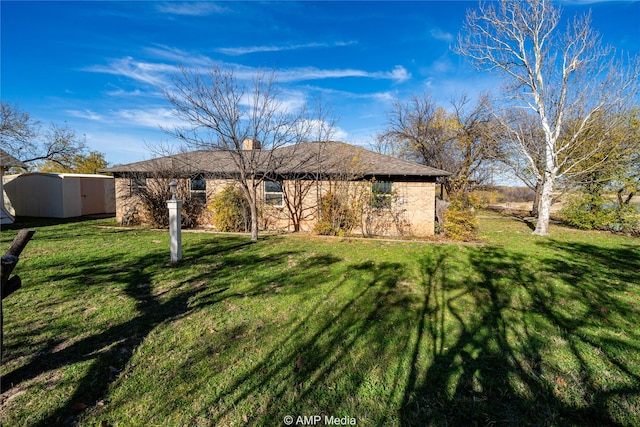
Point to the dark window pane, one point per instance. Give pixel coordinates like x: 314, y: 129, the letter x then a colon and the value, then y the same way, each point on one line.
x: 200, y: 197
x: 198, y: 185
x: 273, y: 199
x: 381, y: 188
x: 273, y: 186
x: 138, y: 182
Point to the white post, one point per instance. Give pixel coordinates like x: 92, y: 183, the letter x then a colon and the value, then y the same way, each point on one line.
x: 175, y: 232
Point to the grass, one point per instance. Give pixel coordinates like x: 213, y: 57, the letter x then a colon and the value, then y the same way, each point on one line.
x: 520, y: 330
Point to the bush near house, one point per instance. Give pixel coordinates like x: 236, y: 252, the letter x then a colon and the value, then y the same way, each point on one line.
x: 230, y: 210
x: 150, y: 201
x: 338, y: 215
x: 460, y: 221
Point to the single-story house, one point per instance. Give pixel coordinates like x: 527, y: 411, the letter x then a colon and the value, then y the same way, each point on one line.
x: 393, y: 196
x: 7, y: 161
x: 59, y: 195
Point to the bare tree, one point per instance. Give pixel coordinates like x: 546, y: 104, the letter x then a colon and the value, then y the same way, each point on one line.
x: 143, y: 190
x: 561, y: 77
x: 458, y: 141
x: 23, y: 137
x: 306, y: 175
x: 250, y: 123
x: 17, y: 129
x: 523, y: 131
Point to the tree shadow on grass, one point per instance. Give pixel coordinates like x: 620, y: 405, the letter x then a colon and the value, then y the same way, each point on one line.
x: 109, y: 350
x: 504, y: 352
x: 306, y: 371
x: 362, y: 339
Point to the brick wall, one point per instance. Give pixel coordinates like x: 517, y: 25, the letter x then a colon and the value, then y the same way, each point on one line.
x: 413, y: 205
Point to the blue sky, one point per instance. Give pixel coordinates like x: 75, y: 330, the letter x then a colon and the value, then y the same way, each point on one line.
x: 98, y: 66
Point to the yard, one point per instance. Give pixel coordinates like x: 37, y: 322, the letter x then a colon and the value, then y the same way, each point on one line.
x: 519, y: 330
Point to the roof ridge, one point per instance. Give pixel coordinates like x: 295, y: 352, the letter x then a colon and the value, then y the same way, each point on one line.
x: 215, y: 161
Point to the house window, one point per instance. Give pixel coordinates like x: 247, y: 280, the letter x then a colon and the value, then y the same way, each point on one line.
x: 381, y: 195
x: 198, y: 189
x: 273, y: 195
x: 137, y: 185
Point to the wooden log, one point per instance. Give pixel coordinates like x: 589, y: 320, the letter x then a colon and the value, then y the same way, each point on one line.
x: 19, y: 242
x: 10, y: 286
x: 7, y: 264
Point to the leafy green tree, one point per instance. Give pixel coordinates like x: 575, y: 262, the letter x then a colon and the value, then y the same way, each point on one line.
x: 89, y: 163
x: 602, y: 197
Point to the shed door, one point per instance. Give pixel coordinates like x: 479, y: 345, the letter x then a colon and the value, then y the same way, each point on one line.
x: 92, y: 193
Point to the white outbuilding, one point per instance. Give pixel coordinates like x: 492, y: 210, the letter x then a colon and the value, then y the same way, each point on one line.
x: 59, y: 195
x: 7, y: 161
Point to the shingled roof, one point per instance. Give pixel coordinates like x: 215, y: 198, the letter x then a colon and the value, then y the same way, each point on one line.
x: 336, y: 158
x: 301, y: 160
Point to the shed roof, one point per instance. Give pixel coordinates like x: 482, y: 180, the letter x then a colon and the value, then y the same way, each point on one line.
x: 63, y: 175
x: 8, y: 161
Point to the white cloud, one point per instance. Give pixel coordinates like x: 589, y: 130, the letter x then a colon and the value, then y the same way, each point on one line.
x: 313, y: 73
x: 442, y: 66
x: 151, y: 118
x: 199, y: 8
x: 86, y: 114
x: 341, y: 94
x: 118, y: 92
x: 384, y: 96
x: 146, y: 72
x: 398, y: 74
x: 176, y: 55
x: 159, y: 74
x: 439, y: 34
x: 320, y: 129
x: 236, y: 51
x: 290, y: 104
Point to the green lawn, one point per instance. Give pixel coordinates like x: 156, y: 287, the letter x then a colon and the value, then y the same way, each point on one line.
x: 521, y: 330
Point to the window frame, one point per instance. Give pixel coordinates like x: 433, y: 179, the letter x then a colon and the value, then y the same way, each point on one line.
x: 136, y: 184
x: 274, y: 198
x: 199, y: 193
x: 381, y: 194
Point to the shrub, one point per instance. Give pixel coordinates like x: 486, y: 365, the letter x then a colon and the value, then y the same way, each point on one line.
x: 230, y: 210
x: 336, y: 216
x: 591, y: 211
x: 152, y: 199
x: 460, y: 222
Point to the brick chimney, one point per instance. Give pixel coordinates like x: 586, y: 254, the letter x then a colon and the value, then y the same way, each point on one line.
x: 250, y: 144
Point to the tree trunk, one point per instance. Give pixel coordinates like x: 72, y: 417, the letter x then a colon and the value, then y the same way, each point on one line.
x: 544, y: 207
x: 535, y: 208
x: 625, y: 201
x: 254, y: 216
x: 629, y: 197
